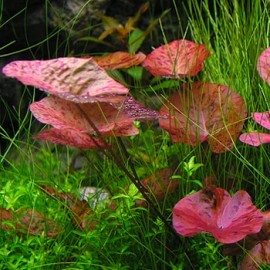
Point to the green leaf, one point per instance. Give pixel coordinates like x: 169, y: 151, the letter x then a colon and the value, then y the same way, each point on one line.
x: 135, y: 40
x: 135, y: 72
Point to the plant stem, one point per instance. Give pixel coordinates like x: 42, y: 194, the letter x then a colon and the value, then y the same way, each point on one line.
x: 134, y: 178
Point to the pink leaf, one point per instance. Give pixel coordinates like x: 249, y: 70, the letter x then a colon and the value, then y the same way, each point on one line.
x: 263, y: 65
x: 119, y: 60
x: 258, y: 255
x: 76, y: 79
x: 255, y: 138
x: 262, y: 119
x: 134, y: 109
x: 213, y: 210
x: 178, y: 58
x: 63, y: 114
x: 204, y: 111
x: 69, y: 137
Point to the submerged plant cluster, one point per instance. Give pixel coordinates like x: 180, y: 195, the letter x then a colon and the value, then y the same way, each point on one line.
x: 90, y: 108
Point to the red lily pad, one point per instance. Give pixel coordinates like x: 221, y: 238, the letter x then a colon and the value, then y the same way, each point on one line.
x: 118, y: 60
x: 159, y: 185
x: 213, y: 210
x: 204, y: 111
x: 263, y: 65
x: 176, y: 59
x: 63, y: 114
x: 70, y: 137
x: 76, y: 79
x: 257, y: 256
x: 28, y: 221
x: 82, y: 215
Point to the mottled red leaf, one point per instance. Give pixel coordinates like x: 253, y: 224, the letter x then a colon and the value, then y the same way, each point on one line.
x: 82, y: 215
x: 63, y: 114
x: 28, y: 221
x: 76, y: 79
x: 69, y: 137
x: 263, y: 65
x: 213, y: 210
x: 134, y: 109
x: 204, y: 111
x: 176, y: 59
x: 258, y: 255
x: 159, y: 185
x: 118, y: 60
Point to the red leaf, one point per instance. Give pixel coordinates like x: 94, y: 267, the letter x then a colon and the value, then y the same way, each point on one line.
x: 28, y: 221
x: 63, y: 114
x: 263, y: 65
x: 258, y: 255
x: 204, y: 111
x: 69, y: 137
x: 262, y: 118
x: 159, y: 184
x: 81, y: 213
x: 76, y: 79
x: 134, y: 109
x: 213, y: 210
x: 258, y: 138
x: 119, y: 60
x: 178, y: 58
x: 255, y: 138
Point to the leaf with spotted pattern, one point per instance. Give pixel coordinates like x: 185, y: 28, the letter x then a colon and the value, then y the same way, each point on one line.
x: 176, y: 59
x: 213, y: 210
x: 204, y: 111
x: 66, y: 115
x: 75, y: 79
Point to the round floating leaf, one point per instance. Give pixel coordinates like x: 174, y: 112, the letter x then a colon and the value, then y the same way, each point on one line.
x: 176, y: 59
x: 159, y: 184
x: 76, y: 79
x: 204, y: 111
x: 213, y: 210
